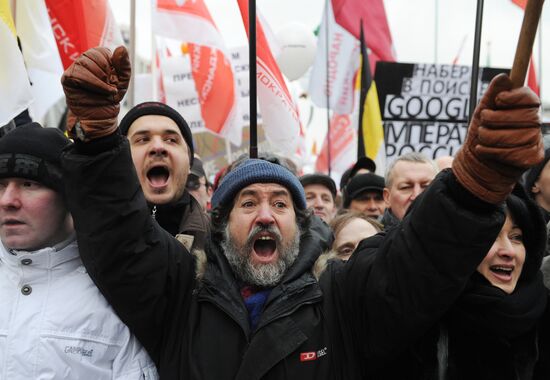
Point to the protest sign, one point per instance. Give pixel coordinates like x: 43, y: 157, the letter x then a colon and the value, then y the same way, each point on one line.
x: 425, y: 106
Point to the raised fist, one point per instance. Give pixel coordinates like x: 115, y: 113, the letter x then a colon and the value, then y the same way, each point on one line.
x: 504, y: 139
x: 94, y: 86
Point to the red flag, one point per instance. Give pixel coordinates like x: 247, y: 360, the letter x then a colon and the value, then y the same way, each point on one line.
x: 79, y: 25
x: 280, y: 117
x: 532, y: 81
x: 520, y: 3
x: 532, y: 78
x: 349, y: 14
x: 212, y: 71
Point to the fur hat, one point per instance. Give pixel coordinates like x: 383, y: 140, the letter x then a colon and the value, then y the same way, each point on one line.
x: 258, y: 171
x: 32, y: 152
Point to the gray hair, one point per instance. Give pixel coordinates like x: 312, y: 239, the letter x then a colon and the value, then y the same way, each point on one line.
x: 415, y: 157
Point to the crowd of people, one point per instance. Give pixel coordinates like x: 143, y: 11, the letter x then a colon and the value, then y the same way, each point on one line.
x: 120, y: 260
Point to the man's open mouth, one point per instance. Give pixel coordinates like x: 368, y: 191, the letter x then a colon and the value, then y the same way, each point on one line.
x: 158, y: 176
x: 265, y: 246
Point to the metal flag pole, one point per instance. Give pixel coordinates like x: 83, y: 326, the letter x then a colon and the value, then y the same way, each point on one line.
x: 132, y: 86
x: 252, y: 79
x: 475, y: 61
x: 540, y: 61
x: 329, y: 163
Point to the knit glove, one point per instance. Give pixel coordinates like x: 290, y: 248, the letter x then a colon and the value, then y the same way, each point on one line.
x: 94, y: 85
x: 504, y: 139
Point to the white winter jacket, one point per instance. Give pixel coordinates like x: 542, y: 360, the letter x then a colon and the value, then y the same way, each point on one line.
x: 55, y: 324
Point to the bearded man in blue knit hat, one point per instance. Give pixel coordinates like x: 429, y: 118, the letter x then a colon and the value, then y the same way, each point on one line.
x: 251, y: 307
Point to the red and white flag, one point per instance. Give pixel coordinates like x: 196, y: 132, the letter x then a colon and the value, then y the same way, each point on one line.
x: 191, y: 22
x: 331, y: 83
x: 337, y: 57
x: 280, y: 117
x: 79, y: 25
x: 343, y: 145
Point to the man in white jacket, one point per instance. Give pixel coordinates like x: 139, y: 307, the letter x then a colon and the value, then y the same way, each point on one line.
x: 54, y: 322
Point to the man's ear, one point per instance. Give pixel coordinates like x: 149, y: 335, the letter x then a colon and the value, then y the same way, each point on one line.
x: 386, y: 195
x: 535, y: 188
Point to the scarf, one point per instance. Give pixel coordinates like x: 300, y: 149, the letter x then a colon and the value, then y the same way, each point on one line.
x: 254, y: 299
x: 484, y: 308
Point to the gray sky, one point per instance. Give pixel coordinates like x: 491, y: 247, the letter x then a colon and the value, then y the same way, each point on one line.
x: 412, y: 23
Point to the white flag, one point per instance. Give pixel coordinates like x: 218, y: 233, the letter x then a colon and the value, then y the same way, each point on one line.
x: 15, y: 89
x: 342, y: 52
x: 41, y: 55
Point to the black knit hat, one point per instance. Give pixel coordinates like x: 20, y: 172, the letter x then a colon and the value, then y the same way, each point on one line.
x: 319, y: 179
x: 157, y: 108
x: 32, y: 152
x: 361, y: 183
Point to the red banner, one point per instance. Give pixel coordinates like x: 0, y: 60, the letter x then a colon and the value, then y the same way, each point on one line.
x: 191, y: 23
x: 81, y: 24
x: 349, y: 14
x: 212, y: 71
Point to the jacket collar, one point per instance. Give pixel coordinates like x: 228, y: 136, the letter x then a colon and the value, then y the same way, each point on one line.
x: 45, y: 258
x: 389, y: 219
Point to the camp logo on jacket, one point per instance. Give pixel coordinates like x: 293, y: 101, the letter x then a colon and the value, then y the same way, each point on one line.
x: 312, y: 355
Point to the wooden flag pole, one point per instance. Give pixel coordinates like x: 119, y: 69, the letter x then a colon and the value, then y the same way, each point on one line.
x: 252, y: 79
x: 526, y: 39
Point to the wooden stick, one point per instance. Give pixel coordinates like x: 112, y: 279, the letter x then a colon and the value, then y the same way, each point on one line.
x: 526, y: 39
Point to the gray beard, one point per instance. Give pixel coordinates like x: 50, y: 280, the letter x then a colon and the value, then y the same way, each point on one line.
x: 264, y: 275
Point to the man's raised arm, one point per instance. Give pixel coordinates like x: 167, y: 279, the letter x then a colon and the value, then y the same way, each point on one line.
x: 136, y: 264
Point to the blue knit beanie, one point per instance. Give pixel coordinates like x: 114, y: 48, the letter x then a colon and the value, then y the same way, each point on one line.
x: 258, y: 171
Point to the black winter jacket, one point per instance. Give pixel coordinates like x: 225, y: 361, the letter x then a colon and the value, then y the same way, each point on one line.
x: 355, y: 318
x: 484, y: 333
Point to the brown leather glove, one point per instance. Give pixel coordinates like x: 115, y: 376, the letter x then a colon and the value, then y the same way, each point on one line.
x: 504, y: 139
x: 94, y: 85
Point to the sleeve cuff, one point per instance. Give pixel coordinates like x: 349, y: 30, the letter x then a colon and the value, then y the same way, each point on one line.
x: 99, y: 145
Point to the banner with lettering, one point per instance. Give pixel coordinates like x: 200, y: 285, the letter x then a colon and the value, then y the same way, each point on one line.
x: 425, y: 106
x: 79, y: 25
x: 181, y: 93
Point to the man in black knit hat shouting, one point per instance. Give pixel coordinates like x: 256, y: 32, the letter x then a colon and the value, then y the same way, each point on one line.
x: 162, y: 150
